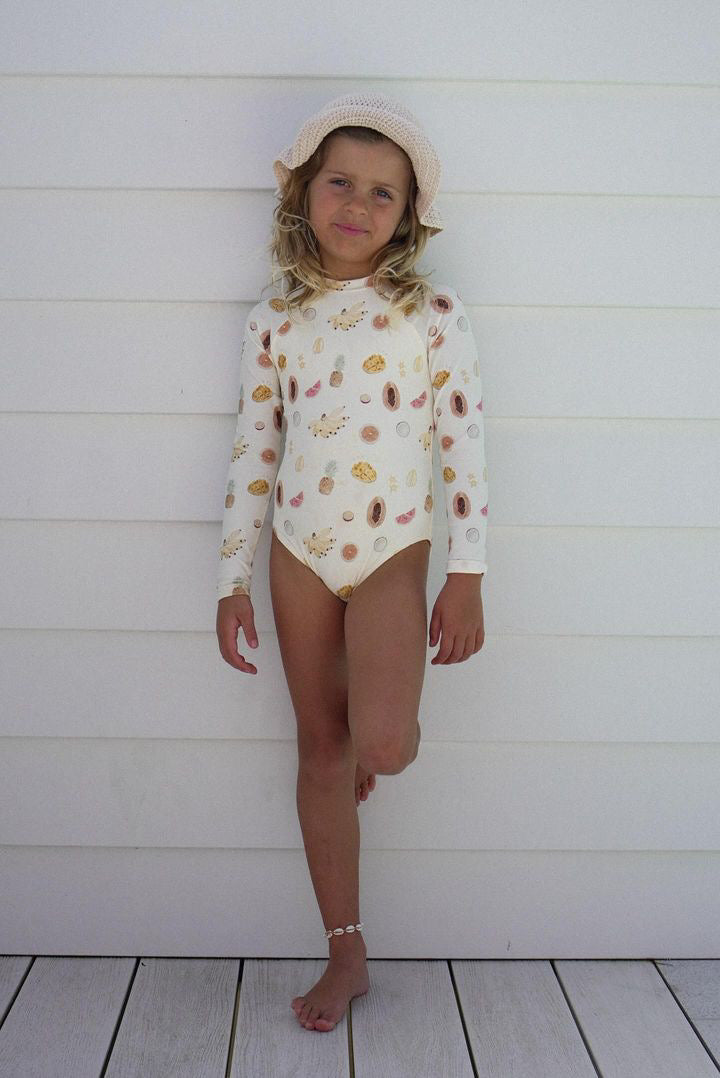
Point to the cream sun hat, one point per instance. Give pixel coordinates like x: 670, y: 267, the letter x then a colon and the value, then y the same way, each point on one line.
x: 369, y: 109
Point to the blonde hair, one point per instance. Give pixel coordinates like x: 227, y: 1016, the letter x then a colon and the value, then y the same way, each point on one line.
x: 293, y: 248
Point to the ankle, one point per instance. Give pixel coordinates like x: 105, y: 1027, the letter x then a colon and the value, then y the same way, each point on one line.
x: 347, y: 948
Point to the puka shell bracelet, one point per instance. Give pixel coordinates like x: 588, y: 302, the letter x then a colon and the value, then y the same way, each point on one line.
x: 339, y: 931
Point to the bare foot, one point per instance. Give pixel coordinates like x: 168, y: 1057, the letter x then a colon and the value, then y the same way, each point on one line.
x: 364, y: 783
x: 325, y: 1003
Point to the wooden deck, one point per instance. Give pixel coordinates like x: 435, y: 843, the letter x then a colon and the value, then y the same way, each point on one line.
x: 65, y: 1017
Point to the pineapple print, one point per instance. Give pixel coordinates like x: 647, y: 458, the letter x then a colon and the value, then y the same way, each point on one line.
x: 336, y: 376
x: 230, y: 495
x: 327, y: 482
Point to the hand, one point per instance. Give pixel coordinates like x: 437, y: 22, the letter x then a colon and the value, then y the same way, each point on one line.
x: 234, y: 611
x: 458, y: 615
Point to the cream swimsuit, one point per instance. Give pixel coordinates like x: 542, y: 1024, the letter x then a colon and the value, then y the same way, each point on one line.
x: 359, y: 391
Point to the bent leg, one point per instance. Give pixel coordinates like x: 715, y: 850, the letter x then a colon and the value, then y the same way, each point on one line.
x: 386, y: 642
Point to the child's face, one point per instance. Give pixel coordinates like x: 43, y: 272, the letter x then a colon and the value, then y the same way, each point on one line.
x: 371, y: 194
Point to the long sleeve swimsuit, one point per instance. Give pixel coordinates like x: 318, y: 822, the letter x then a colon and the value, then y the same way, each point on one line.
x: 359, y: 391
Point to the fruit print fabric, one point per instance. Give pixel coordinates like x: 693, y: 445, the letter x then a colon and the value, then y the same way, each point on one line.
x: 359, y: 393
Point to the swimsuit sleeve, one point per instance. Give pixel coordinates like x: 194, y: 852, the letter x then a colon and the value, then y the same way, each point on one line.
x: 458, y: 422
x: 254, y: 460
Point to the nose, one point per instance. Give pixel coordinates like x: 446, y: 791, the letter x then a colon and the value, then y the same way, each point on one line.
x: 358, y: 205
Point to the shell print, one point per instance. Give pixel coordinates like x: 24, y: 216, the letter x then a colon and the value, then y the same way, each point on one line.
x: 320, y: 543
x: 348, y: 317
x: 339, y: 437
x: 239, y: 447
x: 329, y: 423
x: 232, y: 544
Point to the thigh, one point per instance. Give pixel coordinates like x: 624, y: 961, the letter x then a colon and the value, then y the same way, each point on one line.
x: 310, y: 630
x: 386, y: 641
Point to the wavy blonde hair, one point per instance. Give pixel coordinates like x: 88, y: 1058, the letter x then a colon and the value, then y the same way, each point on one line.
x: 294, y: 252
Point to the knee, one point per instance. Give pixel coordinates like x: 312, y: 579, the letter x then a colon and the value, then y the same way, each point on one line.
x: 325, y: 757
x: 388, y: 759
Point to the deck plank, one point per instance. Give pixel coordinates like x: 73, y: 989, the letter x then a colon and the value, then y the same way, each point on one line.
x: 178, y: 1020
x: 696, y: 983
x: 408, y: 1023
x: 566, y: 1018
x: 13, y: 968
x: 269, y: 1040
x: 63, y: 1019
x: 518, y: 1020
x: 631, y: 1021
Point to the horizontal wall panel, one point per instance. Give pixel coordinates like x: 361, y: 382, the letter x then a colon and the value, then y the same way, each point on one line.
x: 225, y: 133
x: 599, y: 472
x: 495, y: 249
x: 523, y: 688
x: 178, y: 358
x: 183, y: 358
x: 501, y: 39
x: 548, y: 580
x: 241, y: 793
x: 260, y: 903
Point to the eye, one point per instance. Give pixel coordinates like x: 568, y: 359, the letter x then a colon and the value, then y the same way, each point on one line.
x: 339, y: 179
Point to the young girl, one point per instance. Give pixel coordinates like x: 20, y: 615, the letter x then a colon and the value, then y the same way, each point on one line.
x: 359, y: 362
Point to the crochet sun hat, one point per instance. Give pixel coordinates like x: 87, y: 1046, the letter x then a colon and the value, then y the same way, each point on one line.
x: 368, y: 109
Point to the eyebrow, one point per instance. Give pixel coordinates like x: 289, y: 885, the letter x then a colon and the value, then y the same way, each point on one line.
x: 339, y: 172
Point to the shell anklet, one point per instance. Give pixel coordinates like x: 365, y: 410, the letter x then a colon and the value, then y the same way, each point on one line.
x: 339, y: 931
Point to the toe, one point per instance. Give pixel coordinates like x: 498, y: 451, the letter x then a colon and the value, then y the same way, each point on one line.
x: 311, y: 1016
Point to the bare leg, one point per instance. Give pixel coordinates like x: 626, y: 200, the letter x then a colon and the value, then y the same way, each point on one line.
x: 310, y: 627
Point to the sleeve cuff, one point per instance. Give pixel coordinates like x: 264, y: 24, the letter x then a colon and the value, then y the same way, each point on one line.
x: 457, y: 565
x: 223, y: 591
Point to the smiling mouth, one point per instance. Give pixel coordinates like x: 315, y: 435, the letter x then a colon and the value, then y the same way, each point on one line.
x: 348, y: 231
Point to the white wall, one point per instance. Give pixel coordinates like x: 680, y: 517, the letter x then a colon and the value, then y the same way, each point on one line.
x: 565, y: 800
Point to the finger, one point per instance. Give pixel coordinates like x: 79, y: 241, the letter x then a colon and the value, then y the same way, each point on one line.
x: 248, y: 624
x: 238, y: 662
x: 246, y: 666
x: 458, y: 649
x: 229, y: 648
x: 434, y: 629
x: 469, y: 648
x: 446, y: 647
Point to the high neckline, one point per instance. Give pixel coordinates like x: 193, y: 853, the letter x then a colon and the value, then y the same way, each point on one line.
x: 348, y: 285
